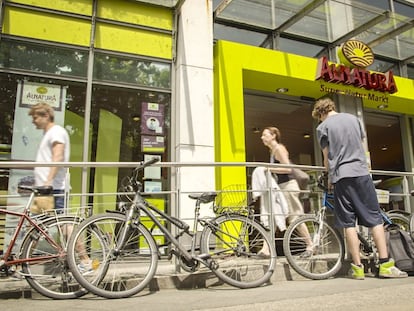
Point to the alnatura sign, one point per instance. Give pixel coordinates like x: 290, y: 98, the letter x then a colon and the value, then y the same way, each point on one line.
x: 355, y: 56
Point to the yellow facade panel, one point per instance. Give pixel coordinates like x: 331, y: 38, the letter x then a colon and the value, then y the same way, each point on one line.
x: 136, y: 13
x: 135, y: 41
x: 21, y: 22
x: 83, y: 7
x: 157, y: 202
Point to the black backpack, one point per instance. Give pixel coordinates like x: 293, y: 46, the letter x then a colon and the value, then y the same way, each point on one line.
x: 400, y: 247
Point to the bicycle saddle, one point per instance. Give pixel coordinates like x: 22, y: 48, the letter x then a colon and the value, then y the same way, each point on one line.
x: 205, y: 197
x: 39, y: 190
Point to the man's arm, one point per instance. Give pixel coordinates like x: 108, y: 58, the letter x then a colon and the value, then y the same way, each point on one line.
x: 325, y: 152
x: 58, y: 152
x: 325, y: 158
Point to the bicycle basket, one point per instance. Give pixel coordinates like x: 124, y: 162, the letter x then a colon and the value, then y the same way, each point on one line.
x: 232, y: 199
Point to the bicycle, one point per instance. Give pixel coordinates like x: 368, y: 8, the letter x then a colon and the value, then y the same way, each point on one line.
x: 411, y: 223
x: 126, y: 255
x: 398, y: 217
x: 42, y: 254
x: 328, y: 251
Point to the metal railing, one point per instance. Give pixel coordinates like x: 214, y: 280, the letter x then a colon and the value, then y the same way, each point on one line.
x: 177, y: 190
x: 177, y: 195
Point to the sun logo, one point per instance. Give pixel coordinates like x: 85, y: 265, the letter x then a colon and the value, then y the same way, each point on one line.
x: 355, y: 53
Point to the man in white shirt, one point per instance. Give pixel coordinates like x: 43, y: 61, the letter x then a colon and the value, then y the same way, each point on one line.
x: 54, y: 147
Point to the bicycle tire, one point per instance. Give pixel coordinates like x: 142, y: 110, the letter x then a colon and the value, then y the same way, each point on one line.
x: 328, y: 254
x: 233, y: 243
x: 116, y: 273
x: 412, y: 226
x: 399, y: 219
x: 51, y: 278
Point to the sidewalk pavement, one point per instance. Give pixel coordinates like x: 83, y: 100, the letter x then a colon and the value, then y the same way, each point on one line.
x: 165, y: 278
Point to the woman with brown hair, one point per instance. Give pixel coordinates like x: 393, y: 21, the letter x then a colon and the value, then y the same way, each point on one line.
x: 271, y: 137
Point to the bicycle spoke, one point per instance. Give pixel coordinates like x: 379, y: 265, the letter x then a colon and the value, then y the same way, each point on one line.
x: 233, y: 244
x: 48, y: 272
x: 324, y: 259
x: 115, y: 272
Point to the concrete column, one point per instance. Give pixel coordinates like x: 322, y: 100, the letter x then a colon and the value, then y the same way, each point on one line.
x: 192, y: 108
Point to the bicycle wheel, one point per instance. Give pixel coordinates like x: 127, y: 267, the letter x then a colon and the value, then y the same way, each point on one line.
x: 328, y: 249
x: 411, y: 226
x: 50, y: 277
x: 399, y: 219
x: 115, y: 273
x: 233, y: 244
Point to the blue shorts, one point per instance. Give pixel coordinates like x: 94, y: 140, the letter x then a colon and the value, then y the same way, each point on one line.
x: 356, y: 199
x: 59, y: 201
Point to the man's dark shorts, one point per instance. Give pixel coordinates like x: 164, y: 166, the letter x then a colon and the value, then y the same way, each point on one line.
x: 355, y: 198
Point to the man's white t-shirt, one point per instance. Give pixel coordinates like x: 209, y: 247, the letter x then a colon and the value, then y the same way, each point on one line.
x: 56, y: 134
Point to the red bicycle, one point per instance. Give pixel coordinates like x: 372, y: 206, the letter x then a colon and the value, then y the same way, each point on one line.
x: 42, y: 254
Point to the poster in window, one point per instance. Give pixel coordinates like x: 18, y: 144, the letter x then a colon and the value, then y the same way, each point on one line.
x: 153, y: 144
x: 26, y: 137
x: 152, y: 186
x: 152, y: 172
x: 152, y: 119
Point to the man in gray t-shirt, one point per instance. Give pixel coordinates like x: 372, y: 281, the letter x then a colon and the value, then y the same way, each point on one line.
x: 343, y: 133
x: 341, y: 136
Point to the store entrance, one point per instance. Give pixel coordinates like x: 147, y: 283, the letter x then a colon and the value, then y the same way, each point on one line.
x: 291, y: 115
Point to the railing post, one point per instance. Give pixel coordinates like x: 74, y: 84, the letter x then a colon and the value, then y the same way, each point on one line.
x: 271, y: 212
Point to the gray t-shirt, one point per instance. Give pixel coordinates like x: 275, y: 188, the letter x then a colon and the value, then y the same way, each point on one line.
x: 343, y: 134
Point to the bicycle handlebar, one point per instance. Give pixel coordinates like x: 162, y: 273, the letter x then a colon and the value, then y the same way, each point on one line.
x: 149, y: 162
x: 132, y: 183
x: 323, y: 182
x: 144, y: 164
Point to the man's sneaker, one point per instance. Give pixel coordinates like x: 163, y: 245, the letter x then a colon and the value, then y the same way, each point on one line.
x: 85, y: 267
x: 357, y: 272
x: 389, y: 270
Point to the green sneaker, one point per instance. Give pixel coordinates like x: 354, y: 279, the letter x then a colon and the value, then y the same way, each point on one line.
x: 357, y: 272
x: 389, y: 270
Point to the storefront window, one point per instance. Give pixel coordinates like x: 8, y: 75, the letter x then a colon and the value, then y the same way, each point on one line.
x: 19, y: 138
x: 43, y: 58
x: 384, y: 66
x: 403, y: 9
x: 299, y: 47
x: 383, y: 4
x: 386, y: 153
x: 129, y: 70
x: 410, y: 72
x: 223, y: 32
x: 384, y: 140
x: 127, y: 126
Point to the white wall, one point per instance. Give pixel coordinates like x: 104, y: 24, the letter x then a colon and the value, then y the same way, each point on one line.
x: 193, y: 115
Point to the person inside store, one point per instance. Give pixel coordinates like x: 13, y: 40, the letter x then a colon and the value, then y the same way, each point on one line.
x: 341, y: 138
x: 54, y: 147
x: 271, y: 138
